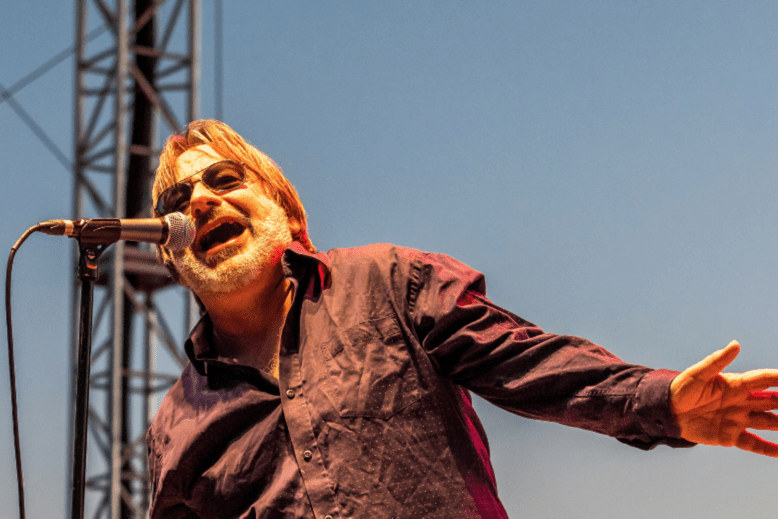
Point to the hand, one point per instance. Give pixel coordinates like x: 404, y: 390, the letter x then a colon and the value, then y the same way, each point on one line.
x: 716, y: 408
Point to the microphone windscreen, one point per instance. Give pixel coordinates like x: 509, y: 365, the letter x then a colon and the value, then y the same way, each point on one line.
x: 181, y: 231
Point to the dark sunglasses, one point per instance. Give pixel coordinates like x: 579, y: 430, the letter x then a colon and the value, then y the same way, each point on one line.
x: 219, y: 177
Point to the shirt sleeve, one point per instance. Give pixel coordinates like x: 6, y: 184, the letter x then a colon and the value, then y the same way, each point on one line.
x: 516, y: 366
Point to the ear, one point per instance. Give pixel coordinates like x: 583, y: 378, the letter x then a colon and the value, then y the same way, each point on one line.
x: 294, y: 226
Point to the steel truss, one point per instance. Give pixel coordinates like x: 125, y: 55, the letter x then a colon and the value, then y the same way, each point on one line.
x: 142, y: 73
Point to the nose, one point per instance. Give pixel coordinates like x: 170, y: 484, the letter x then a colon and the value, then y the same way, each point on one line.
x: 203, y: 199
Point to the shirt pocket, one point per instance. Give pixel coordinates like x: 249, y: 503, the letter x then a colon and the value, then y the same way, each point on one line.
x: 371, y: 372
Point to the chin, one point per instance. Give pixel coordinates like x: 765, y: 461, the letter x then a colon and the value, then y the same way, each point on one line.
x: 223, y: 272
x: 231, y: 268
x: 223, y: 256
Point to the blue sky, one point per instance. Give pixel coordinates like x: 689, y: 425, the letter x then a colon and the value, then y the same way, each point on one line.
x: 609, y: 165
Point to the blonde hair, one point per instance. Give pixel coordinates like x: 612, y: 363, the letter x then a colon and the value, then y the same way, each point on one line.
x: 227, y: 143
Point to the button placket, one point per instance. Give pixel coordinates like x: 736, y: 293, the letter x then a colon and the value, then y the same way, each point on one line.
x: 298, y: 421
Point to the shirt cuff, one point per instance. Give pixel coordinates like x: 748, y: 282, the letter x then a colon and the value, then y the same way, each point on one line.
x: 652, y: 406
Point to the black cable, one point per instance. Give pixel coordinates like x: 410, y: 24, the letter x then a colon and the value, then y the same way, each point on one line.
x: 11, y: 369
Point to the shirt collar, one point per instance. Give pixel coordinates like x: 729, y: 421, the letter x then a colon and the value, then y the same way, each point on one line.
x: 297, y: 260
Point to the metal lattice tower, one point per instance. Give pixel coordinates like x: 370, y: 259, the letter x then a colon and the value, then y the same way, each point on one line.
x: 139, y: 75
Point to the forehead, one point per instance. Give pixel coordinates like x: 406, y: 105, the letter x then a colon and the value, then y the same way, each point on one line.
x: 194, y: 160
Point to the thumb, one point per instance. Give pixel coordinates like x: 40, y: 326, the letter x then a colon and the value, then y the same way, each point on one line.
x: 714, y: 363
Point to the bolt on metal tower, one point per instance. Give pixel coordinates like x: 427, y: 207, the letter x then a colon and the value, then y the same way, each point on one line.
x: 141, y: 74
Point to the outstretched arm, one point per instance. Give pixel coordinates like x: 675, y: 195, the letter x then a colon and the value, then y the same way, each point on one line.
x: 716, y: 408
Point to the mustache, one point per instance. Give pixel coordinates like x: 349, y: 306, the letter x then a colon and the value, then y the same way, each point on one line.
x: 215, y: 213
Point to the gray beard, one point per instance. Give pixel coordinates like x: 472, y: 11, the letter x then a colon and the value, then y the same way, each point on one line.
x: 232, y: 268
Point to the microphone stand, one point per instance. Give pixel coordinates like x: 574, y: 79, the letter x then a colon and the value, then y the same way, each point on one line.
x: 90, y: 250
x: 93, y: 237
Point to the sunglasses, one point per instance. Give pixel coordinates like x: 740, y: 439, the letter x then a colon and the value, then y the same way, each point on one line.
x: 220, y: 177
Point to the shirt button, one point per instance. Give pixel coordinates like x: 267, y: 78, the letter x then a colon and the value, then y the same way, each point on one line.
x: 307, y: 455
x: 290, y: 393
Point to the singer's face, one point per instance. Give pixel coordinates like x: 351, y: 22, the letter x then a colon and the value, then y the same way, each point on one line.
x: 241, y: 234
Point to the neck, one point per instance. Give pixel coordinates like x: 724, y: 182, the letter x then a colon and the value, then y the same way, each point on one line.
x: 248, y: 322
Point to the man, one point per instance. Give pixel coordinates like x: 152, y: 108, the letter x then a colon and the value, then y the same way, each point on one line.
x: 337, y: 385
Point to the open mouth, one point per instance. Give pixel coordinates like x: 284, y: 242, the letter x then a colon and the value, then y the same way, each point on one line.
x: 220, y: 234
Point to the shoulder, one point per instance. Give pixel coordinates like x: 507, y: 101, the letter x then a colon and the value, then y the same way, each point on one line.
x: 387, y: 254
x: 388, y: 260
x: 370, y: 266
x: 392, y: 260
x: 376, y: 252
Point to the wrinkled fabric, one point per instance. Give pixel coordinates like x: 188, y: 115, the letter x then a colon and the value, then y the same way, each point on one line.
x: 371, y: 415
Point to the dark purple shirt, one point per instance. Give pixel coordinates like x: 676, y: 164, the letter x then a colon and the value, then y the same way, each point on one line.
x: 371, y: 415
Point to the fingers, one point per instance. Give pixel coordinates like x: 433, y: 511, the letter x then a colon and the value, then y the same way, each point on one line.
x: 751, y: 442
x: 763, y: 421
x: 769, y: 403
x: 714, y: 363
x: 760, y: 379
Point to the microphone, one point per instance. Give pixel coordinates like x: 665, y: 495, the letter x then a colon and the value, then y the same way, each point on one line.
x: 174, y: 231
